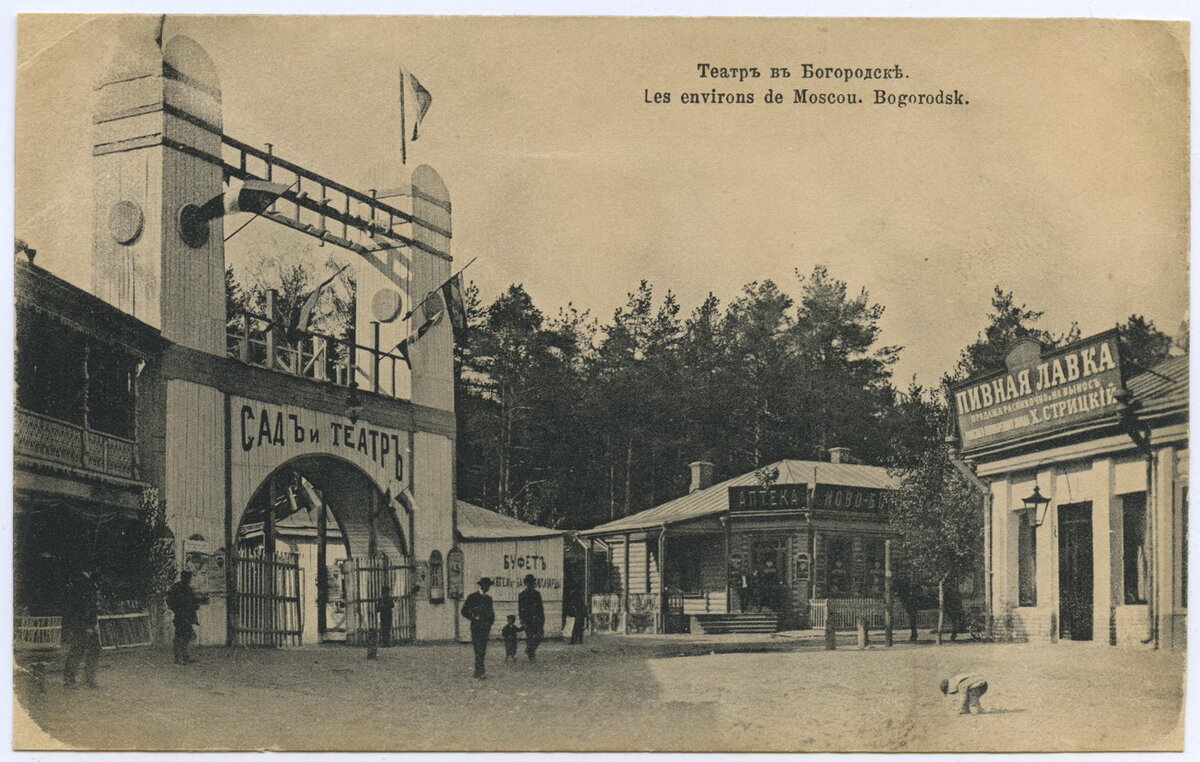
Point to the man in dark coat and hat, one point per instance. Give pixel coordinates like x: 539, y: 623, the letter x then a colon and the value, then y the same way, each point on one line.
x: 478, y: 609
x: 80, y: 628
x: 182, y: 601
x: 533, y: 616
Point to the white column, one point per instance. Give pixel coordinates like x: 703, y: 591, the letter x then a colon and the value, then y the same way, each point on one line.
x: 1101, y: 492
x: 1047, y: 562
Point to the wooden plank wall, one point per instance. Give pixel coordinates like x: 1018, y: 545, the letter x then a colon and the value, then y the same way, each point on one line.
x: 433, y: 355
x: 193, y: 280
x: 128, y: 276
x: 639, y: 580
x: 194, y: 478
x: 495, y: 559
x: 433, y: 524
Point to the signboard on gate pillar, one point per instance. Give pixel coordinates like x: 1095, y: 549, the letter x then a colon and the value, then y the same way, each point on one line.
x: 1041, y: 393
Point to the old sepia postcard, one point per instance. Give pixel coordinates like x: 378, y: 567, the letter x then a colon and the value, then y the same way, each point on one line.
x: 394, y: 383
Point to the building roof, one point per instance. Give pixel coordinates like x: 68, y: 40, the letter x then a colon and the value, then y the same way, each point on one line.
x: 1163, y: 387
x: 475, y: 523
x: 714, y: 500
x: 87, y: 313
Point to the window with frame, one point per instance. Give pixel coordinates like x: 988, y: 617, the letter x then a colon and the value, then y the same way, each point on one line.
x: 437, y: 585
x: 50, y: 367
x: 837, y: 570
x: 1026, y: 559
x: 1133, y: 547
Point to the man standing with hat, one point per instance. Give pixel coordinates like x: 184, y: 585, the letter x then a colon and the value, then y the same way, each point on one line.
x: 182, y: 601
x: 533, y: 616
x: 80, y: 628
x: 478, y: 609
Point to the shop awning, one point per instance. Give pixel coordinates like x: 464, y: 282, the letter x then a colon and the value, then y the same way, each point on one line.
x: 475, y: 523
x: 714, y: 500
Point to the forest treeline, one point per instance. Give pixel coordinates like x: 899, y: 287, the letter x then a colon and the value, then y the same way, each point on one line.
x: 567, y: 420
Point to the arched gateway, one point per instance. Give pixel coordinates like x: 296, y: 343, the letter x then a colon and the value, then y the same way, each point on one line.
x: 335, y: 544
x: 245, y: 412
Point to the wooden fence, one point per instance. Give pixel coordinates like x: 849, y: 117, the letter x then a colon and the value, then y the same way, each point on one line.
x: 365, y: 579
x: 125, y: 630
x: 645, y: 613
x: 847, y: 612
x: 268, y: 599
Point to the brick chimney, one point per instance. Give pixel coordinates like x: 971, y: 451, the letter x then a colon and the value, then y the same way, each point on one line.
x: 703, y: 475
x: 839, y: 454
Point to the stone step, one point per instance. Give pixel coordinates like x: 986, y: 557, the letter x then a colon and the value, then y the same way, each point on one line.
x: 725, y: 624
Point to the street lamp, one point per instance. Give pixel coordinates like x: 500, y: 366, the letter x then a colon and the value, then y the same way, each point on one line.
x: 1033, y: 502
x: 354, y: 405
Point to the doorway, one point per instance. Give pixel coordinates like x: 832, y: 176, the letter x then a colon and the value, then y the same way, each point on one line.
x: 769, y: 576
x: 1075, y: 571
x: 317, y: 545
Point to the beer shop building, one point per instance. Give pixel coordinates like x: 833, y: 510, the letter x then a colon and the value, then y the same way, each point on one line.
x: 1084, y: 461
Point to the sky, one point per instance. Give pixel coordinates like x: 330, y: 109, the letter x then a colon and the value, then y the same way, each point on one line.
x: 1064, y: 178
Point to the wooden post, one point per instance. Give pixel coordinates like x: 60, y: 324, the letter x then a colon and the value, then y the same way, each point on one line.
x: 887, y: 593
x: 372, y: 509
x: 646, y: 566
x: 245, y: 345
x: 815, y: 541
x: 322, y: 570
x: 942, y: 608
x: 662, y: 580
x: 231, y: 602
x: 268, y: 527
x: 267, y: 573
x: 625, y: 590
x: 270, y: 333
x: 375, y: 363
x: 728, y: 549
x: 587, y: 583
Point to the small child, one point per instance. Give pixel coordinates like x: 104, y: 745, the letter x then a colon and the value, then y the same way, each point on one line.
x: 970, y: 687
x: 509, y: 633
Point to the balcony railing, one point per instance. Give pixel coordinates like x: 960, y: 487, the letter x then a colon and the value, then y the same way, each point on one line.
x: 256, y: 340
x: 45, y: 438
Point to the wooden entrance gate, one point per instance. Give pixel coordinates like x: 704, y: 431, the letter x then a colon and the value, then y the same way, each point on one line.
x: 365, y: 579
x: 268, y: 599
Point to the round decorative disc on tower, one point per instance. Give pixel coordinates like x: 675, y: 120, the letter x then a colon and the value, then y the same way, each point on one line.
x: 193, y: 228
x: 125, y: 222
x: 385, y: 305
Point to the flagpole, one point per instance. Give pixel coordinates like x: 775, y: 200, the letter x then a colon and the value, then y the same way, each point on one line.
x: 417, y: 306
x: 403, y: 124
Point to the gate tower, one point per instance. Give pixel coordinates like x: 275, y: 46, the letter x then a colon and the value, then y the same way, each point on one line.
x: 236, y: 408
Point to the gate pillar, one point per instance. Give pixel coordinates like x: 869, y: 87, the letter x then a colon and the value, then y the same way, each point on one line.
x: 157, y: 117
x: 156, y: 150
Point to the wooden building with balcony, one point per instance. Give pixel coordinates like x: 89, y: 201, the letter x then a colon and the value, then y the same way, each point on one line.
x: 81, y: 403
x: 747, y: 554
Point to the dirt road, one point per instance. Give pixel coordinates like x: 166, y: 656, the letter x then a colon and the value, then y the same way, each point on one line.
x: 620, y: 694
